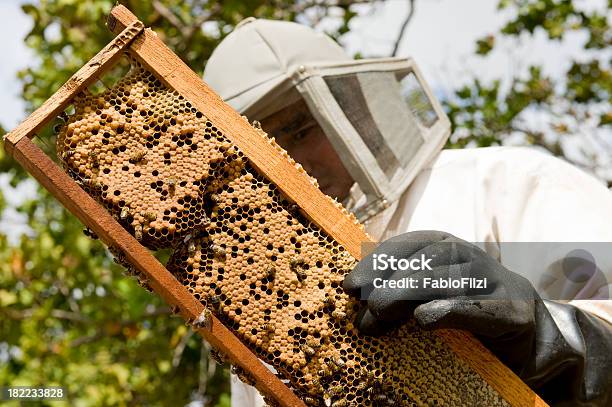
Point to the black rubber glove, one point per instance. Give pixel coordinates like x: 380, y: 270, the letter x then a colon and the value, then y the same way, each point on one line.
x: 564, y: 354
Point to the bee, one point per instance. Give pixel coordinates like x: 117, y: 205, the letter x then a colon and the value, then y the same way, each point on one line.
x: 308, y: 351
x: 125, y: 212
x: 338, y: 315
x: 292, y: 208
x: 171, y: 184
x: 129, y: 270
x: 338, y: 361
x: 269, y: 402
x: 329, y: 301
x: 204, y: 320
x: 242, y: 375
x: 234, y: 369
x: 67, y: 154
x: 118, y: 256
x: 256, y: 124
x: 375, y: 382
x: 217, y: 357
x: 191, y: 248
x: 325, y: 371
x: 138, y: 232
x: 138, y: 156
x: 93, y: 184
x: 63, y: 116
x: 380, y: 398
x: 310, y: 401
x: 204, y: 221
x: 144, y: 284
x: 327, y: 399
x: 271, y: 273
x: 95, y: 162
x: 371, y: 376
x: 150, y: 216
x: 331, y: 366
x: 339, y: 403
x: 296, y: 262
x: 394, y: 399
x: 214, y: 301
x: 361, y: 386
x: 301, y: 275
x: 90, y: 233
x: 120, y: 260
x: 313, y: 343
x: 82, y: 181
x: 266, y: 328
x: 57, y: 127
x: 336, y: 390
x: 218, y: 251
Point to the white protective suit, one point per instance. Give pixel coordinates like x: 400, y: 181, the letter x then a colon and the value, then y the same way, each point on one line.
x: 483, y: 195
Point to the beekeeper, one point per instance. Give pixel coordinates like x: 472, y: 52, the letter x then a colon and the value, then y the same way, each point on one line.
x: 372, y: 133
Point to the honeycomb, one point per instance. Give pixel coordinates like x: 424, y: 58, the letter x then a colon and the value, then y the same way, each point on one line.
x: 245, y: 251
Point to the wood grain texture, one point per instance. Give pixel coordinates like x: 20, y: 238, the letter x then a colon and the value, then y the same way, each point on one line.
x: 84, y: 77
x: 97, y: 218
x: 150, y: 51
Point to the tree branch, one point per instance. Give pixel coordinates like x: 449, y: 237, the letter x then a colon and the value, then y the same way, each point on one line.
x: 300, y: 7
x: 197, y: 24
x: 403, y: 28
x: 169, y: 15
x: 55, y: 313
x: 180, y: 348
x: 101, y: 332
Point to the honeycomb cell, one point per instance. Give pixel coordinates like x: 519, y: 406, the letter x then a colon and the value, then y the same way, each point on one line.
x: 174, y: 180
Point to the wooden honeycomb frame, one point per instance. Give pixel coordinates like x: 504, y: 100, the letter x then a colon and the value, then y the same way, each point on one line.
x: 143, y: 45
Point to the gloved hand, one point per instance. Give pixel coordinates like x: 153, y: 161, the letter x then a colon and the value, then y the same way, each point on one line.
x: 567, y: 359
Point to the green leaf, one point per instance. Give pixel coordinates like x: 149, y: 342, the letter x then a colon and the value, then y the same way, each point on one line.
x: 485, y: 45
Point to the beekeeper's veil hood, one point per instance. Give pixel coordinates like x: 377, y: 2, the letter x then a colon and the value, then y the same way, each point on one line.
x: 378, y: 114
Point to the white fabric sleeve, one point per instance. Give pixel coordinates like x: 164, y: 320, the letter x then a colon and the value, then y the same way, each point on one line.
x: 547, y: 201
x: 601, y: 309
x: 244, y: 395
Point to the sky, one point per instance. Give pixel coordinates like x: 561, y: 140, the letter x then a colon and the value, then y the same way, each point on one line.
x: 15, y: 25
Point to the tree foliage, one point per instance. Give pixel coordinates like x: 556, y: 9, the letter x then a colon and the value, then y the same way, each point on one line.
x: 484, y: 114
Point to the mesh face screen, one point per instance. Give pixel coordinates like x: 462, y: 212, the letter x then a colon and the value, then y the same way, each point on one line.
x: 373, y: 103
x: 347, y: 92
x: 274, y: 278
x: 417, y: 100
